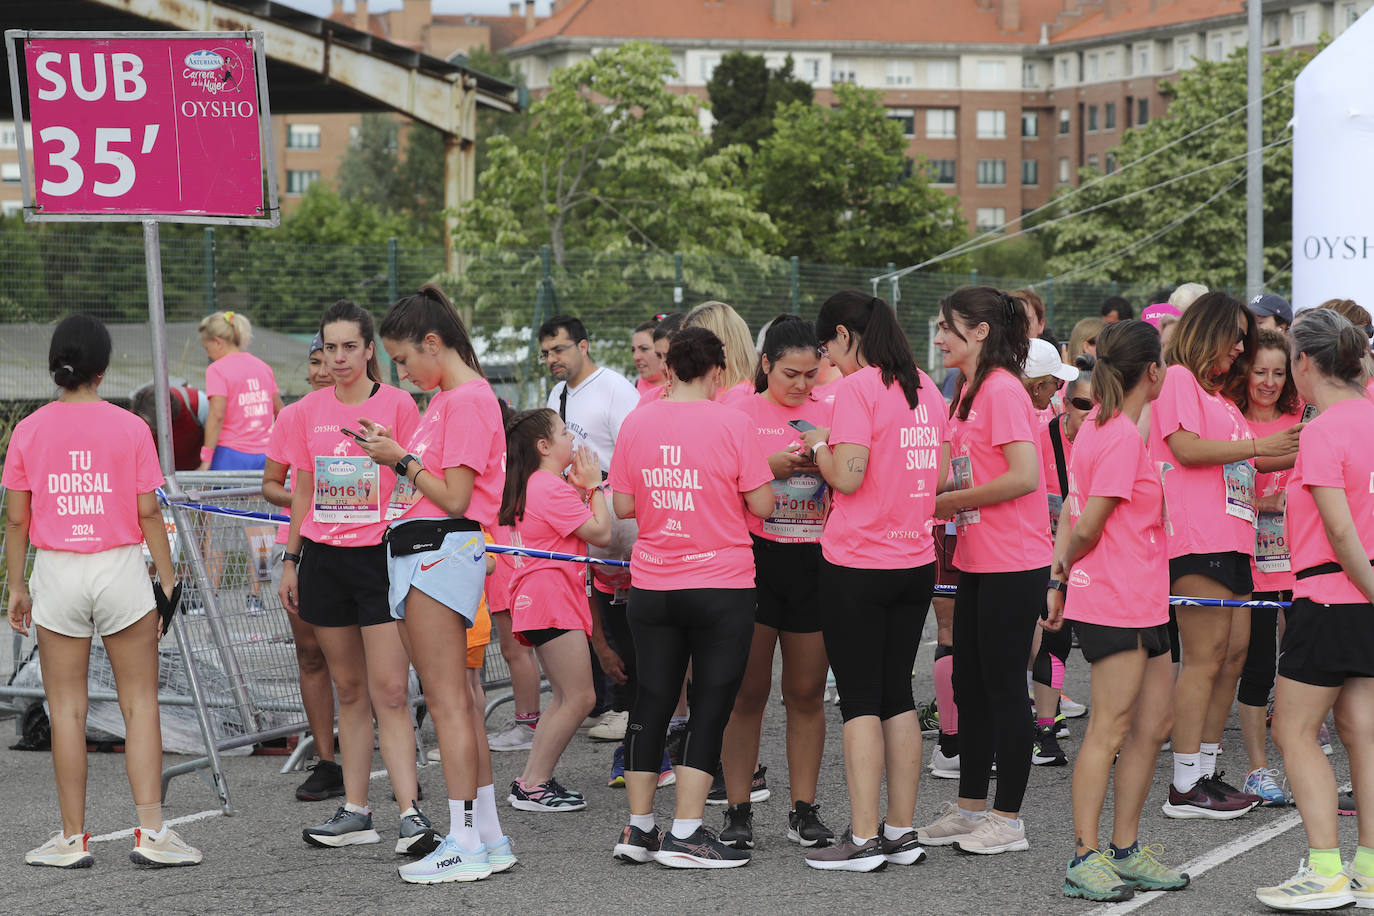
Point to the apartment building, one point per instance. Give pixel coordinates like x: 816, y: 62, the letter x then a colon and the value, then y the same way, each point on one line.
x: 1005, y: 99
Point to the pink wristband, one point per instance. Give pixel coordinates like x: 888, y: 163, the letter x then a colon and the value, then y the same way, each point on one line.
x: 207, y: 453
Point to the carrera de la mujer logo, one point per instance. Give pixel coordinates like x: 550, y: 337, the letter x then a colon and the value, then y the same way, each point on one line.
x: 214, y: 70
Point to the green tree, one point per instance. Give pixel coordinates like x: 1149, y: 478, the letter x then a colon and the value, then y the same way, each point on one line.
x: 369, y: 169
x: 837, y: 184
x: 1193, y: 228
x: 745, y: 95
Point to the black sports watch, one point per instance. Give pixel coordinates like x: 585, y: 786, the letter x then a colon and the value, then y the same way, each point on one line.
x: 293, y: 557
x: 404, y: 464
x: 1058, y: 586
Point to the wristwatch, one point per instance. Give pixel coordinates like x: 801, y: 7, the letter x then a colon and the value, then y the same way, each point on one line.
x: 1058, y: 586
x: 293, y: 557
x: 405, y: 463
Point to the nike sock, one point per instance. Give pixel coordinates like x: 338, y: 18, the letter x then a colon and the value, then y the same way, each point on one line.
x: 894, y: 833
x: 356, y: 809
x: 1325, y: 862
x: 1207, y: 759
x: 1364, y: 860
x: 683, y: 827
x: 488, y: 822
x: 461, y: 827
x: 1186, y: 771
x: 643, y: 822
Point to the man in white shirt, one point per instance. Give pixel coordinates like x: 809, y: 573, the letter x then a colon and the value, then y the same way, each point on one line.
x: 592, y: 400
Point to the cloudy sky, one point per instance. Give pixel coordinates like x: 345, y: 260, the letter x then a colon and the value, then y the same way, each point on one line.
x: 322, y: 7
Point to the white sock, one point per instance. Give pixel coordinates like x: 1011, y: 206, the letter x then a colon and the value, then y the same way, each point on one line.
x: 1013, y: 822
x: 488, y: 821
x: 643, y: 822
x: 971, y: 817
x: 409, y: 811
x: 684, y: 827
x: 1187, y: 771
x: 1207, y: 758
x: 860, y: 840
x: 894, y: 833
x: 461, y: 827
x: 356, y: 809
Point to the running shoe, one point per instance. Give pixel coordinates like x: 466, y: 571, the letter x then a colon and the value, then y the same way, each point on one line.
x: 952, y: 824
x: 1198, y: 802
x: 700, y: 850
x: 254, y: 606
x: 1218, y: 786
x: 804, y: 826
x: 1264, y: 782
x: 433, y: 755
x: 416, y: 836
x: 449, y: 862
x: 637, y: 845
x: 345, y: 828
x: 738, y: 830
x: 611, y: 727
x: 758, y: 788
x: 993, y: 836
x: 325, y: 781
x: 501, y: 856
x: 545, y: 797
x: 905, y: 850
x: 943, y: 767
x: 1324, y: 739
x: 1345, y: 804
x: 563, y: 790
x: 591, y: 722
x: 513, y: 736
x: 617, y: 780
x: 1069, y: 708
x: 1095, y: 879
x: 929, y: 717
x: 166, y: 851
x: 1061, y: 726
x: 1308, y: 890
x: 1045, y: 750
x: 846, y: 855
x: 62, y: 852
x: 1143, y: 871
x: 677, y: 736
x: 1362, y: 887
x: 666, y: 775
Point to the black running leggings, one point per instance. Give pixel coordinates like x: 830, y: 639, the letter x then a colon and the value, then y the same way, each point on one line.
x: 872, y: 627
x: 616, y: 629
x: 710, y: 627
x: 994, y: 622
x: 1261, y: 664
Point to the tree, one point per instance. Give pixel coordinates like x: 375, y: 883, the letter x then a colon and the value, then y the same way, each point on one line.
x: 373, y: 172
x: 837, y: 184
x: 745, y: 95
x: 368, y: 171
x: 1193, y: 227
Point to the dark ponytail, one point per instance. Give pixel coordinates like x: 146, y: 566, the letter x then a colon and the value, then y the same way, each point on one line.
x: 1336, y: 347
x: 79, y: 351
x: 785, y: 333
x: 344, y: 310
x: 523, y: 432
x: 1008, y: 339
x: 429, y: 311
x: 1124, y: 351
x: 882, y: 342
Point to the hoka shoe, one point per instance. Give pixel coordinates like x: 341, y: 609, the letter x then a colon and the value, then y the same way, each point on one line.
x: 501, y: 856
x: 1264, y: 783
x: 1308, y: 890
x: 416, y: 836
x: 166, y: 851
x: 1143, y: 871
x: 638, y: 845
x: 448, y: 862
x: 700, y: 850
x: 804, y: 826
x: 62, y: 852
x: 1095, y: 879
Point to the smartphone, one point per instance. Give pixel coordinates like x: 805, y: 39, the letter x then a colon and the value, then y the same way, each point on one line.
x: 353, y: 434
x: 1309, y: 412
x: 801, y: 426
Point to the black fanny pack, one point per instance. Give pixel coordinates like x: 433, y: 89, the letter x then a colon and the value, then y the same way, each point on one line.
x: 424, y: 535
x: 1321, y: 569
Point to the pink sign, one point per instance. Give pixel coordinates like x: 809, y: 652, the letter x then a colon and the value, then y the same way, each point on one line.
x: 145, y: 125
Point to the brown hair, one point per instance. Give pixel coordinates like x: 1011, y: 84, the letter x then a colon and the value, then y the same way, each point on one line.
x: 1124, y: 351
x: 1007, y: 342
x: 1205, y: 334
x: 1239, y: 388
x: 523, y: 432
x: 1348, y: 309
x: 1086, y: 329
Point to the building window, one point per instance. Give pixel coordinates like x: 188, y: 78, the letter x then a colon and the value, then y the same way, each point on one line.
x: 1142, y: 61
x: 992, y: 125
x: 1111, y: 163
x: 940, y: 123
x: 1064, y: 170
x: 1348, y: 15
x: 708, y: 65
x: 298, y: 180
x: 1092, y: 119
x: 901, y: 72
x: 1218, y: 49
x: 1271, y: 31
x: 1030, y: 75
x: 942, y: 74
x: 1299, y: 28
x: 1238, y: 39
x: 1109, y: 116
x: 1063, y: 120
x: 1094, y: 70
x: 905, y: 117
x: 11, y: 207
x: 1030, y: 124
x: 8, y: 139
x: 1142, y: 111
x: 9, y: 172
x: 679, y: 68
x: 1109, y: 64
x: 1030, y: 172
x: 842, y: 70
x: 1184, y: 54
x: 991, y: 219
x: 1063, y: 71
x: 992, y: 74
x: 811, y: 69
x: 941, y: 171
x: 1092, y: 162
x: 302, y: 136
x: 992, y: 171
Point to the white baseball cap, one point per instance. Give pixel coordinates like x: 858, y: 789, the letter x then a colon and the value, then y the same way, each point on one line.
x: 1043, y: 360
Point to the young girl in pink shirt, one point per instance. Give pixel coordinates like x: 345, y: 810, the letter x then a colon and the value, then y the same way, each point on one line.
x: 1206, y: 452
x: 999, y: 505
x: 1111, y: 578
x: 81, y: 476
x: 1328, y: 645
x: 549, y: 608
x: 243, y: 396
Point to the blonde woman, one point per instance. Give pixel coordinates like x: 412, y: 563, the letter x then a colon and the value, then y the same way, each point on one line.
x: 737, y: 381
x: 244, y: 400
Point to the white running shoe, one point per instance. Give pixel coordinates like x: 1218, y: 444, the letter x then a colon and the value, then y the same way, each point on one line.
x: 943, y: 767
x: 448, y: 863
x: 513, y: 736
x: 590, y: 723
x: 992, y: 836
x: 611, y: 727
x: 1069, y: 708
x: 164, y: 851
x: 62, y: 852
x: 1308, y: 890
x: 952, y: 824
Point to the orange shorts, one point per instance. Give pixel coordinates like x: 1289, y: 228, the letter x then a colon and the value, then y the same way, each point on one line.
x: 479, y: 634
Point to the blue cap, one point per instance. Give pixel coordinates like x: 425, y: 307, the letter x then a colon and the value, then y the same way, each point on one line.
x: 1272, y: 304
x: 316, y: 344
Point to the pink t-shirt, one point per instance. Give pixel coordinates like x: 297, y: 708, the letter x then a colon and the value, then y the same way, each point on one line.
x: 1008, y: 536
x: 284, y: 432
x: 686, y: 463
x: 249, y: 389
x: 643, y: 385
x: 1336, y: 450
x: 799, y: 502
x: 497, y: 587
x: 650, y: 394
x: 351, y: 490
x: 736, y: 394
x: 461, y: 428
x: 1207, y: 506
x: 1272, y: 566
x: 85, y: 464
x: 549, y: 593
x: 826, y: 393
x: 885, y: 524
x: 1124, y: 580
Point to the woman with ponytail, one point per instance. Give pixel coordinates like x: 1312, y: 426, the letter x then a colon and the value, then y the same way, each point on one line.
x: 882, y: 459
x: 1110, y: 576
x: 998, y: 503
x: 243, y: 394
x: 1328, y: 645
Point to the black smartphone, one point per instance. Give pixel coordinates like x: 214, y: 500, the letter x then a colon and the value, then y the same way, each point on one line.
x: 1309, y: 413
x: 353, y: 434
x: 801, y: 426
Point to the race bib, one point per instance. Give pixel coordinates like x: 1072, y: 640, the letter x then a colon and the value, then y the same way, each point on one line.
x: 961, y: 470
x: 1056, y: 504
x: 347, y: 490
x: 798, y: 509
x: 403, y: 497
x: 1240, y: 490
x: 1271, y: 544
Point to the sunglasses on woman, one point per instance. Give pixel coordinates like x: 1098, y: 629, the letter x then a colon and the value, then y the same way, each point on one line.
x: 1084, y: 404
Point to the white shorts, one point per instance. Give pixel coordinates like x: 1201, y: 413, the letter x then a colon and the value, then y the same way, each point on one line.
x: 86, y: 594
x: 453, y: 575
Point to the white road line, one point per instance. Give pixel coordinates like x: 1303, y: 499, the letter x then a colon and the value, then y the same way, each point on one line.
x: 375, y: 774
x: 1208, y: 861
x: 172, y: 822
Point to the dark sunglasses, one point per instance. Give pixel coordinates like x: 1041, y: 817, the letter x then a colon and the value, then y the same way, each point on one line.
x: 1084, y: 404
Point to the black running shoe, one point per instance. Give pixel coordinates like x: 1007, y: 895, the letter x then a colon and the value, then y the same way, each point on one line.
x: 739, y: 826
x: 637, y: 845
x: 758, y: 788
x: 717, y: 794
x: 804, y: 826
x: 1045, y: 751
x: 325, y: 781
x: 700, y: 850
